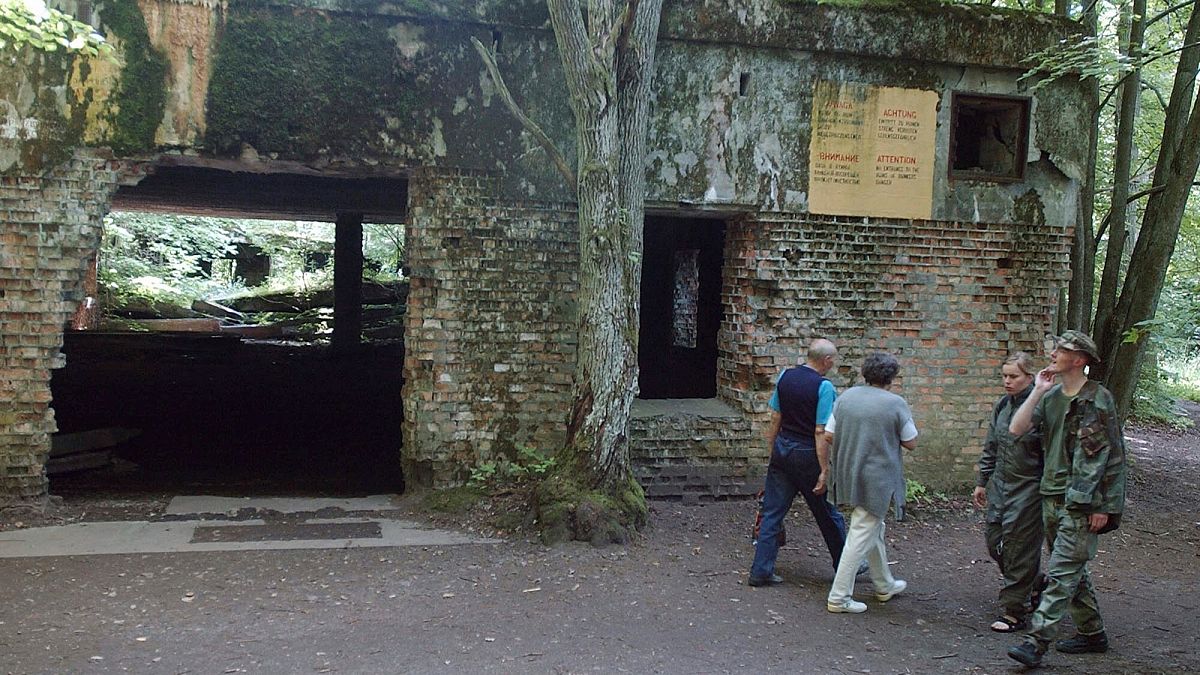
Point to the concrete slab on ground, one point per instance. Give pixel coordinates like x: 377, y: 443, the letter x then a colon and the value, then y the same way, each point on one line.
x: 184, y: 505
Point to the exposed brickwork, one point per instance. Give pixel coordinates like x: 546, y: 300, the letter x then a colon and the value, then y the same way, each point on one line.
x: 692, y: 452
x: 490, y: 343
x: 51, y: 227
x: 490, y: 328
x: 951, y: 299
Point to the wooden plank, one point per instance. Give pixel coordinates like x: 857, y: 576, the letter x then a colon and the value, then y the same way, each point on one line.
x: 92, y: 439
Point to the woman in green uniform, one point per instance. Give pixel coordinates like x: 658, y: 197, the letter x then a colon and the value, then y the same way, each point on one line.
x: 1010, y: 471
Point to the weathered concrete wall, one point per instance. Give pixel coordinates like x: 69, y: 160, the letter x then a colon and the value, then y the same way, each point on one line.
x: 396, y: 85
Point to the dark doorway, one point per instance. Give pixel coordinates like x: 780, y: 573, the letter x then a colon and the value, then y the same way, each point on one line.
x: 681, y: 307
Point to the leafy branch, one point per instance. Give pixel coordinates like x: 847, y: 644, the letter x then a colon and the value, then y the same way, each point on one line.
x: 30, y: 22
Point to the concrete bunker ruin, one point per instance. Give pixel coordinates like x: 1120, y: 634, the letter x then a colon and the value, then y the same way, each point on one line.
x: 764, y: 230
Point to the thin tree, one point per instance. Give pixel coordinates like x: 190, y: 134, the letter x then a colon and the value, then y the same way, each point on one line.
x: 607, y: 49
x: 1083, y: 245
x: 1117, y: 219
x: 1124, y: 345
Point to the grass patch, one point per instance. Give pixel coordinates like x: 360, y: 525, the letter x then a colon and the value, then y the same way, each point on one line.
x: 457, y: 500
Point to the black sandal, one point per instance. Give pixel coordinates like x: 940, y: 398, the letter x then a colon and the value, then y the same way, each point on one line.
x: 1035, y: 598
x: 1009, y: 624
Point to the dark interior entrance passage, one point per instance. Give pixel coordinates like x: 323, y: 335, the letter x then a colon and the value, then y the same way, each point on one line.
x: 681, y: 307
x: 224, y: 414
x: 228, y: 409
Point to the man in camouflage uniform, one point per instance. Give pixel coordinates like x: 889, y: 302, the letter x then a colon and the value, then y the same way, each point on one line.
x: 1083, y: 489
x: 1010, y: 475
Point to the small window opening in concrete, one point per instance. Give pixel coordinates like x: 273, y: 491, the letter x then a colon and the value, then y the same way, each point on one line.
x: 681, y: 307
x: 988, y: 137
x: 744, y: 84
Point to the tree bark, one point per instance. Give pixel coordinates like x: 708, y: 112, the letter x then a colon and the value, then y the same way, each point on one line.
x: 609, y: 60
x: 1179, y: 156
x: 1122, y: 168
x: 1083, y: 247
x: 608, y: 55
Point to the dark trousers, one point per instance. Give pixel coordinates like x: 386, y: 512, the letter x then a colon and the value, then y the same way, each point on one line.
x: 793, y: 469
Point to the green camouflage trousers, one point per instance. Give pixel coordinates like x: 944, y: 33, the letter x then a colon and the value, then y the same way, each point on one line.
x: 1072, y: 545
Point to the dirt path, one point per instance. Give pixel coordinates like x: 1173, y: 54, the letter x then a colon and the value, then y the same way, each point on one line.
x: 673, y: 602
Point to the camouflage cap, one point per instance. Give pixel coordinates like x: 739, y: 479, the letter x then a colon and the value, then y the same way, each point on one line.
x: 1078, y: 341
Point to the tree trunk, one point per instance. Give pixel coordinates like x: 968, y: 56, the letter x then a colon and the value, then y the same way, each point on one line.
x: 1083, y: 247
x: 1179, y: 156
x: 608, y: 60
x: 1122, y: 163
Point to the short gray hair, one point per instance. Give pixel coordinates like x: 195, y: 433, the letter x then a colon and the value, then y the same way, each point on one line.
x: 880, y: 369
x: 821, y: 348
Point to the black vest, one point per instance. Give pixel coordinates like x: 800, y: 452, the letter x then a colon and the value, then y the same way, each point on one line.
x: 799, y: 390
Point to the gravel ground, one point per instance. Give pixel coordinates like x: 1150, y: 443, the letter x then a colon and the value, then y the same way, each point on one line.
x: 674, y: 601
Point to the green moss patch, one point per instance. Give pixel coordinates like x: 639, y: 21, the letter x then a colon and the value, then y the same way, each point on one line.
x: 299, y: 84
x: 566, y: 510
x: 453, y: 500
x: 141, y: 97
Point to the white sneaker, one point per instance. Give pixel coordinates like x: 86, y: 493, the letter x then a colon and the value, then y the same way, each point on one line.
x: 898, y: 586
x: 847, y: 606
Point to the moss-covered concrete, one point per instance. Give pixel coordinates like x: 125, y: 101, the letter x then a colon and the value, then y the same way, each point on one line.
x: 136, y: 107
x: 40, y: 121
x: 302, y: 84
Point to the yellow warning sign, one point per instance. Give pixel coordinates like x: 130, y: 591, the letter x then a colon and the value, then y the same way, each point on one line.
x: 872, y: 151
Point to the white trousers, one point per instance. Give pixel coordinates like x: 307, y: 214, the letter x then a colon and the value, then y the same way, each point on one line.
x: 863, y: 540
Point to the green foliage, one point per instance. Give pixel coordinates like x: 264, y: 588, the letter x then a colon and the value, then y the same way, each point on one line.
x: 159, y: 257
x: 1154, y: 401
x: 1084, y: 56
x: 176, y: 258
x: 529, y: 463
x: 30, y: 22
x: 916, y: 492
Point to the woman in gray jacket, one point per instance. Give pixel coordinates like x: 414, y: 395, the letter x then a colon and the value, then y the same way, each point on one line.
x: 866, y: 432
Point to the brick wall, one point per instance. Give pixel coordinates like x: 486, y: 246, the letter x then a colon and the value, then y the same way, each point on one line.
x: 51, y: 226
x: 951, y: 299
x: 489, y: 337
x: 491, y: 345
x: 693, y: 450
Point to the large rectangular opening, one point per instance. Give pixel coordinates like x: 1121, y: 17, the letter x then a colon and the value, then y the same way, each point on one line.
x: 681, y: 307
x: 210, y: 354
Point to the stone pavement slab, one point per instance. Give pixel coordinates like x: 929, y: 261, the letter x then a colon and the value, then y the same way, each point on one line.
x: 181, y: 533
x: 196, y: 504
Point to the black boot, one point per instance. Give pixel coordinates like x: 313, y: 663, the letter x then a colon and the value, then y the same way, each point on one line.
x: 1027, y: 653
x: 1096, y: 643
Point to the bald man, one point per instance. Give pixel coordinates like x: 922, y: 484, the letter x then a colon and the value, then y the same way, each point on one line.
x: 802, y: 403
